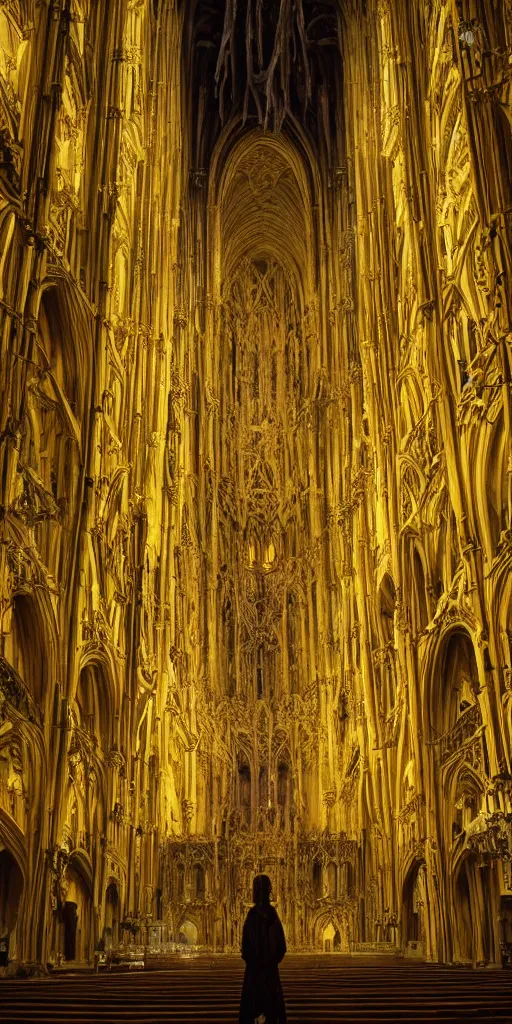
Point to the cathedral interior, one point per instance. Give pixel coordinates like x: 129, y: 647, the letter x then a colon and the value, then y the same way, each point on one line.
x: 256, y: 475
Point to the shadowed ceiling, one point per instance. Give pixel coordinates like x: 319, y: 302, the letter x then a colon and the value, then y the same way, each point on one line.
x: 261, y: 62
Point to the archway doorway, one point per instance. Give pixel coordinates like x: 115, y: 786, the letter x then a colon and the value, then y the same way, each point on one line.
x: 414, y: 904
x: 328, y: 937
x: 464, y: 935
x: 70, y: 922
x: 188, y: 933
x: 475, y: 942
x: 76, y: 917
x: 24, y: 646
x: 111, y: 929
x: 11, y: 887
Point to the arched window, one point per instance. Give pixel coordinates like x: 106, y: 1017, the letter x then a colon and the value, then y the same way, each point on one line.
x: 283, y: 785
x: 244, y: 782
x: 25, y: 648
x: 58, y: 355
x: 259, y: 673
x: 458, y: 683
x: 421, y: 613
x: 94, y: 706
x: 386, y: 666
x: 332, y: 880
x: 467, y: 803
x: 263, y: 788
x: 347, y: 879
x: 111, y: 937
x: 49, y: 460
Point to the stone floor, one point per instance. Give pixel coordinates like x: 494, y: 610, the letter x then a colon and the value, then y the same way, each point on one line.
x: 318, y: 990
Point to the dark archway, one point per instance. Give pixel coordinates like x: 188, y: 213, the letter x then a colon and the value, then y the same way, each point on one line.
x: 475, y: 900
x: 455, y: 683
x: 421, y: 611
x: 244, y: 778
x: 199, y: 881
x: 76, y: 915
x: 283, y: 786
x: 51, y: 430
x: 70, y: 922
x: 385, y: 665
x: 464, y: 946
x: 25, y: 646
x: 111, y: 929
x: 11, y: 887
x: 57, y: 352
x: 387, y: 604
x: 414, y: 911
x: 347, y: 879
x: 317, y: 879
x: 95, y: 712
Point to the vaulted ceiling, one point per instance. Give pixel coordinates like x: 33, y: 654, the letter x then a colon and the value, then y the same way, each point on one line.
x: 261, y: 62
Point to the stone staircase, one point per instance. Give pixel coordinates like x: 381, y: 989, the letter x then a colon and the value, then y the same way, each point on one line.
x: 318, y: 990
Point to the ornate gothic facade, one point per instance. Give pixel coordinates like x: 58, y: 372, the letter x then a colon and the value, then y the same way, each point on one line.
x: 255, y: 472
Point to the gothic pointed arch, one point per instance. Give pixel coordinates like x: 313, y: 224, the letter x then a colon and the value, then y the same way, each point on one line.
x: 455, y: 683
x: 28, y: 649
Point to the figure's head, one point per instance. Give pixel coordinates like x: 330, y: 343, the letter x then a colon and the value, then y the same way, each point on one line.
x: 261, y: 889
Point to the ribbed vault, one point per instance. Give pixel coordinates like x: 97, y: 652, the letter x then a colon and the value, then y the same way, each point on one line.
x: 261, y: 63
x: 263, y: 188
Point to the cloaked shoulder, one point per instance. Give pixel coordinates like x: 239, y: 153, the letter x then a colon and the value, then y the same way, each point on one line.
x: 263, y: 936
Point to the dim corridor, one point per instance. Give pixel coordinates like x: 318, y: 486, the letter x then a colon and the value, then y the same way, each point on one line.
x: 318, y: 990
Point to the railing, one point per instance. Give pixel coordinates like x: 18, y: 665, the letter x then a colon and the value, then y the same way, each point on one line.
x: 132, y: 957
x: 373, y: 948
x: 490, y: 836
x: 464, y: 729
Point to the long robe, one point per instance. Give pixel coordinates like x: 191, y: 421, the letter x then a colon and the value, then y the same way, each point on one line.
x: 263, y: 948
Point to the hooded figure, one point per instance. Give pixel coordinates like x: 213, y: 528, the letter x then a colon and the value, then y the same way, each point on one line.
x: 263, y: 948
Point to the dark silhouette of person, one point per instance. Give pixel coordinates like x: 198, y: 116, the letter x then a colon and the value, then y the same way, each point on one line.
x: 263, y: 948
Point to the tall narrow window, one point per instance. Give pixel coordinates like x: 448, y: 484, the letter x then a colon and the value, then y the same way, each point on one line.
x: 283, y: 783
x: 317, y: 879
x: 259, y: 673
x: 199, y: 881
x: 244, y: 776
